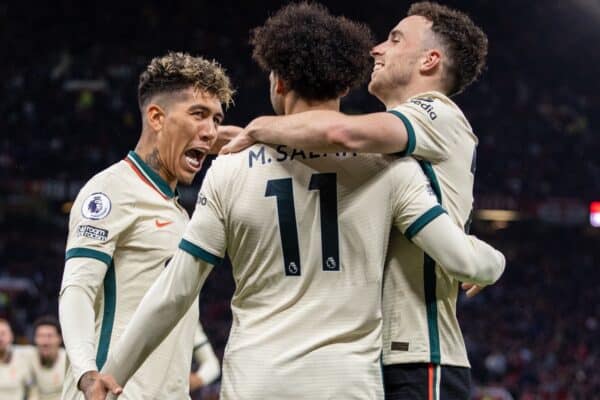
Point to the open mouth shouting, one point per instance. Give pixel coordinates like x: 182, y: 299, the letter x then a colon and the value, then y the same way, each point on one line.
x: 194, y: 158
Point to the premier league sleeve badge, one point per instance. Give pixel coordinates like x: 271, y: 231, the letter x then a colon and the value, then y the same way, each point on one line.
x: 96, y: 206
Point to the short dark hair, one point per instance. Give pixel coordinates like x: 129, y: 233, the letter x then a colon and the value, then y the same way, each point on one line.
x: 47, y: 320
x: 465, y: 42
x: 317, y: 54
x: 178, y: 71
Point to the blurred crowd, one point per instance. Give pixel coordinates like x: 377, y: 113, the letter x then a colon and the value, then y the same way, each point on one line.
x: 69, y: 109
x: 535, y: 333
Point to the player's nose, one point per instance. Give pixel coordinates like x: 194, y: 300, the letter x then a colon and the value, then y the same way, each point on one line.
x: 378, y: 49
x: 208, y: 131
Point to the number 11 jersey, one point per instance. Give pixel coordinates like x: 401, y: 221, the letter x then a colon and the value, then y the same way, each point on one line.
x: 307, y: 236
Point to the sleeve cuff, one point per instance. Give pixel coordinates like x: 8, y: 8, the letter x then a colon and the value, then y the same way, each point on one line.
x: 410, y: 132
x: 423, y: 220
x: 82, y: 252
x: 199, y: 252
x: 78, y: 373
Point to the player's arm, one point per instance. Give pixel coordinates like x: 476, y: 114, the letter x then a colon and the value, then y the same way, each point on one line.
x: 327, y: 131
x: 225, y: 133
x: 463, y: 256
x: 423, y: 221
x: 165, y: 303
x: 99, y: 215
x: 203, y: 245
x: 83, y: 277
x: 209, y: 366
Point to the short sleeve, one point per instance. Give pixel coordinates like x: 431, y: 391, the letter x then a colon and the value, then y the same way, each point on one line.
x: 204, y: 237
x: 100, y: 213
x: 414, y: 203
x: 428, y: 122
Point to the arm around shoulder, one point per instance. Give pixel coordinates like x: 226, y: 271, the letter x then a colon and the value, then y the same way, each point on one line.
x: 327, y: 131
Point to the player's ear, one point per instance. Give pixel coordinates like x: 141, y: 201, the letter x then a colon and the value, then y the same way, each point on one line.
x: 280, y: 86
x: 155, y: 116
x: 431, y: 60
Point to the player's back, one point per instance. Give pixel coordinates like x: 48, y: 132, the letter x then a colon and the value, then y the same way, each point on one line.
x: 307, y: 236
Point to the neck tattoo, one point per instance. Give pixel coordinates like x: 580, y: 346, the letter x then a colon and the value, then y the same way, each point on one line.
x: 153, y: 160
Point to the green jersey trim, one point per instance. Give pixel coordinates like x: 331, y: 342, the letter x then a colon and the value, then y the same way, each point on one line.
x: 410, y: 133
x: 199, y: 252
x: 153, y: 178
x: 108, y: 317
x: 423, y: 220
x: 430, y: 173
x: 82, y: 252
x: 430, y: 279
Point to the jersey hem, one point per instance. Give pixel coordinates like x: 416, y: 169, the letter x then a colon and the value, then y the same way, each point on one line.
x: 423, y: 358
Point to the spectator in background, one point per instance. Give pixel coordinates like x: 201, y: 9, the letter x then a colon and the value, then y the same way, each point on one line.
x: 15, y: 371
x: 48, y: 364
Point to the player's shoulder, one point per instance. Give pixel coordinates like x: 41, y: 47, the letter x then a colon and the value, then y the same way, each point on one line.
x: 257, y: 154
x: 404, y: 166
x: 405, y: 171
x: 434, y: 107
x: 436, y: 112
x: 114, y: 180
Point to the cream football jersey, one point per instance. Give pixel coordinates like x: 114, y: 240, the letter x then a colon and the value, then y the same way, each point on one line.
x: 15, y: 375
x: 128, y: 218
x: 419, y: 297
x: 307, y: 236
x: 47, y: 381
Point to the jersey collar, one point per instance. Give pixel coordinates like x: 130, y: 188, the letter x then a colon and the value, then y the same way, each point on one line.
x: 149, y: 176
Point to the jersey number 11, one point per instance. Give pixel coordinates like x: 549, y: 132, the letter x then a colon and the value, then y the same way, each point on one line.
x: 326, y: 184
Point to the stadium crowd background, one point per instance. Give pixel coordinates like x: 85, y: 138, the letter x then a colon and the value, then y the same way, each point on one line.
x: 68, y: 106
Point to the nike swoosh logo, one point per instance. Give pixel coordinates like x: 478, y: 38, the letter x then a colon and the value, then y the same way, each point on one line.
x: 160, y: 224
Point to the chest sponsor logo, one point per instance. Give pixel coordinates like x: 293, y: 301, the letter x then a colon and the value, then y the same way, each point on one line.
x: 162, y: 224
x: 92, y: 232
x: 96, y: 206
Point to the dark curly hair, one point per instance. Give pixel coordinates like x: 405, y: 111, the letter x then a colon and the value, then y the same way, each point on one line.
x: 177, y: 71
x: 317, y: 54
x: 465, y: 42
